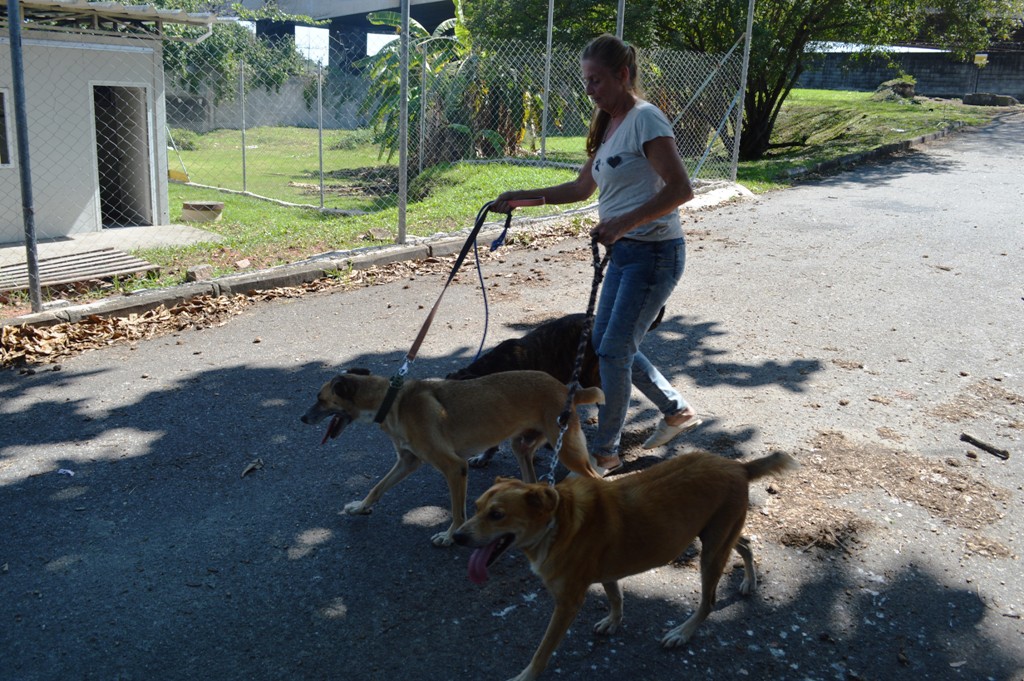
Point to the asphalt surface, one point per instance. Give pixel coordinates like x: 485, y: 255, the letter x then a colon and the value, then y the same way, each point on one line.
x: 881, y: 308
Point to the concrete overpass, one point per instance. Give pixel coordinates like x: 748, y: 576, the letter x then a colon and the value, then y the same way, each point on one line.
x: 348, y: 25
x: 430, y: 13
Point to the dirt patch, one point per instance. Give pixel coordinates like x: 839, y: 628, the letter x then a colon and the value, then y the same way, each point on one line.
x: 369, y: 181
x: 308, y: 189
x: 800, y: 512
x: 982, y: 398
x: 989, y: 548
x: 889, y: 434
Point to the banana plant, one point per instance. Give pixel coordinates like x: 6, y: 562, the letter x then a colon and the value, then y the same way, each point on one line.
x: 429, y: 54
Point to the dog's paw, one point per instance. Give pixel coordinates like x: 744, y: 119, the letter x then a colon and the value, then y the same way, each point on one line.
x: 607, y: 626
x: 748, y: 585
x: 442, y: 539
x: 479, y: 461
x: 678, y: 636
x: 357, y: 508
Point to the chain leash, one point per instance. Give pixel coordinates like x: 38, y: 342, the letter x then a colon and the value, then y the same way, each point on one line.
x: 574, y: 382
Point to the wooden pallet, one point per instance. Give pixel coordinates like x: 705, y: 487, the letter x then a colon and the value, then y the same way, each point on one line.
x: 68, y: 269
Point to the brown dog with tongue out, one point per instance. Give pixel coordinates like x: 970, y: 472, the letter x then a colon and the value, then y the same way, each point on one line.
x: 584, y: 531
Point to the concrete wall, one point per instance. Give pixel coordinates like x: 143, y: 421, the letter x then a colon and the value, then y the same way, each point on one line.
x: 60, y: 73
x: 937, y: 75
x: 284, y: 107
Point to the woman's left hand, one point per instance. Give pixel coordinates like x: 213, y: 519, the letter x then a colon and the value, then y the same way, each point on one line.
x: 607, y: 232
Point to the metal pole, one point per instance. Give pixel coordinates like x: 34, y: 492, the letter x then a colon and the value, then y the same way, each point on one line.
x: 547, y: 83
x: 423, y: 103
x: 620, y: 19
x: 738, y: 125
x: 21, y: 127
x: 241, y: 96
x: 320, y: 125
x: 403, y: 124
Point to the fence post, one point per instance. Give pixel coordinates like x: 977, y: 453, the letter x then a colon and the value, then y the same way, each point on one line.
x: 547, y: 84
x: 403, y: 123
x: 241, y: 99
x: 28, y: 209
x: 423, y: 104
x: 738, y: 126
x: 320, y: 125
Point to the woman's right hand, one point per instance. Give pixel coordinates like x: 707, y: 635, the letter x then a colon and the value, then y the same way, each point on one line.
x: 500, y: 204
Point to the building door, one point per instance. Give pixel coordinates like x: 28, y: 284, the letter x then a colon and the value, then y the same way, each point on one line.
x: 123, y: 155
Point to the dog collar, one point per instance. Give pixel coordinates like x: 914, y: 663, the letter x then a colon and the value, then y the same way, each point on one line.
x: 389, y: 398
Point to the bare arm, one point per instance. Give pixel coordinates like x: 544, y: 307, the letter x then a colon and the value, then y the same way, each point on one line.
x: 663, y: 156
x: 580, y: 189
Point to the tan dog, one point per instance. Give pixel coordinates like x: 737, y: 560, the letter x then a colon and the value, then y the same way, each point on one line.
x: 443, y: 422
x: 583, y: 532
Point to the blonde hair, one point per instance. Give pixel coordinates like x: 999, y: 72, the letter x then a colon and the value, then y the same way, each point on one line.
x: 613, y: 54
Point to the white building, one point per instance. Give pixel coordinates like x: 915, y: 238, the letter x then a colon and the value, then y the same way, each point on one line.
x: 94, y: 94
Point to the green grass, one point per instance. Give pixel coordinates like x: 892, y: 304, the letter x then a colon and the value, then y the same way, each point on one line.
x: 283, y: 163
x: 444, y: 198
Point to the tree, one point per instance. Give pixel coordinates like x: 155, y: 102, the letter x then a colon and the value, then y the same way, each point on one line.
x: 575, y: 23
x: 212, y: 65
x: 429, y: 55
x: 468, y: 99
x: 784, y: 28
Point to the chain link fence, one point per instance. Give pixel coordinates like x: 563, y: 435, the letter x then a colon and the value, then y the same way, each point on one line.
x: 328, y: 137
x: 134, y: 145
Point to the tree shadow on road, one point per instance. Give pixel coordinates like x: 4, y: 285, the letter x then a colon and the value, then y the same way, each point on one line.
x: 886, y: 169
x: 159, y: 559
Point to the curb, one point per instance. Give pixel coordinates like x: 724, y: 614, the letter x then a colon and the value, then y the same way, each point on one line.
x: 879, y: 152
x: 294, y: 274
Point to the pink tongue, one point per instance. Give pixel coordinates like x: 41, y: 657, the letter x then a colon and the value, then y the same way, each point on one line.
x: 332, y: 429
x: 478, y: 563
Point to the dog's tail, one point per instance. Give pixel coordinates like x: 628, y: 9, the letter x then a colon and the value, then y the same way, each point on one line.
x: 657, y: 320
x: 593, y: 395
x: 772, y: 464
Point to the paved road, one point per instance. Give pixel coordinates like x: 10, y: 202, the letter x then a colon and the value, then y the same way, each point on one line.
x: 861, y: 322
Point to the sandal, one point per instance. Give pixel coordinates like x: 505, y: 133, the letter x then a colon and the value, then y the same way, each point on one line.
x: 607, y: 465
x: 664, y: 432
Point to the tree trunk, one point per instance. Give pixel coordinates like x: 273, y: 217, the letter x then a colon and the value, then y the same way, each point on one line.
x: 757, y: 133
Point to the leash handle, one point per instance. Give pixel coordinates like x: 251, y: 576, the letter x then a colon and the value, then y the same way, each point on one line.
x: 529, y: 201
x: 515, y: 203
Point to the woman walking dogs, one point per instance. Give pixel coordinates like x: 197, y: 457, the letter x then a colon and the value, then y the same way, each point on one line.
x: 633, y: 161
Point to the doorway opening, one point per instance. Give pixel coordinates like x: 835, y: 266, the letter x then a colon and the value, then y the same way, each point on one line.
x: 123, y: 155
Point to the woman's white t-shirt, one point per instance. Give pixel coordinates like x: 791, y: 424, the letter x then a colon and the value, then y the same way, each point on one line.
x: 626, y: 179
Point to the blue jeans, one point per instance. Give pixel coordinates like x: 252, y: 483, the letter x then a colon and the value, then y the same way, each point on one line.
x: 641, y: 275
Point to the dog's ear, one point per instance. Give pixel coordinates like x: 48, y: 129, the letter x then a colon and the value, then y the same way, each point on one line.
x: 344, y: 387
x: 358, y: 371
x: 542, y: 498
